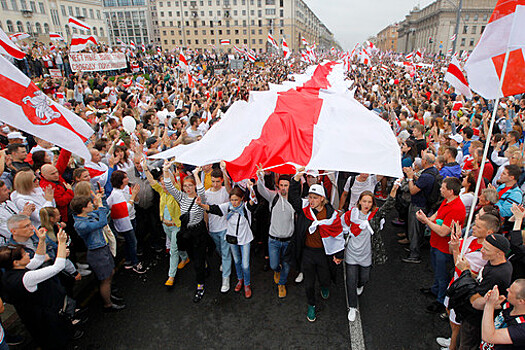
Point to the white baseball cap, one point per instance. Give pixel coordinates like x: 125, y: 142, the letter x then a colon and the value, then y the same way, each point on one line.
x: 456, y: 137
x: 317, y: 189
x: 15, y: 135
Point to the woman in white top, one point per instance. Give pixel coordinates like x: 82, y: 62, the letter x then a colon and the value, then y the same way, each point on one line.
x: 27, y: 191
x: 467, y: 192
x: 238, y: 232
x: 362, y: 225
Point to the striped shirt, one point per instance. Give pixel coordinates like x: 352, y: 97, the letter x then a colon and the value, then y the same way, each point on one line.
x: 197, y: 213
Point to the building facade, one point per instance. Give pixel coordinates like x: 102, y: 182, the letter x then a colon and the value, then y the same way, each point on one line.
x: 131, y: 20
x: 386, y: 39
x: 202, y: 24
x: 39, y: 17
x: 432, y: 28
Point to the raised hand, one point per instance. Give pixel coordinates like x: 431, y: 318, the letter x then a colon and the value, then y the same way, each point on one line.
x: 49, y: 193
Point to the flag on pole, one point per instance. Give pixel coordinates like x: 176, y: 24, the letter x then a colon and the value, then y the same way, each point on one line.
x: 453, y: 37
x: 419, y: 55
x: 456, y: 78
x: 449, y: 52
x: 409, y: 56
x: 286, y: 50
x: 55, y: 36
x: 76, y: 23
x: 19, y: 36
x: 238, y: 50
x: 303, y: 40
x: 27, y: 108
x: 8, y: 47
x: 143, y: 47
x: 252, y: 56
x: 132, y: 44
x: 504, y: 32
x: 80, y: 42
x: 52, y: 47
x: 225, y: 41
x: 272, y: 41
x: 159, y: 50
x: 120, y: 42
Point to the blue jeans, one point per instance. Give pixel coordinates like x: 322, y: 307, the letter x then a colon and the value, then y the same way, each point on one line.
x: 241, y: 257
x: 440, y: 262
x: 276, y: 251
x: 223, y: 248
x: 171, y: 233
x: 130, y: 247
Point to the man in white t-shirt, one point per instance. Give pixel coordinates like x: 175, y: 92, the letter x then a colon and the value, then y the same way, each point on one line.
x: 219, y: 194
x: 357, y: 185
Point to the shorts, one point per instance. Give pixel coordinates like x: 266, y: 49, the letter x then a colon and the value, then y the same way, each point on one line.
x: 452, y: 315
x: 101, y: 262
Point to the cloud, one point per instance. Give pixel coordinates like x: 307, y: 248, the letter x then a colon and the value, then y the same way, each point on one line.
x: 354, y: 21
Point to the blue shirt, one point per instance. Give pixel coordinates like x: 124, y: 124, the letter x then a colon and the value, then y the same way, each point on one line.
x: 425, y: 182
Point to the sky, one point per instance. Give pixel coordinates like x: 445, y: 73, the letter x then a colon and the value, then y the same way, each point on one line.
x: 353, y: 21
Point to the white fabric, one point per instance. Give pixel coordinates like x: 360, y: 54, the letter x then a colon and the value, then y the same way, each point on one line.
x: 217, y: 223
x: 455, y: 81
x: 244, y: 233
x: 37, y: 198
x: 359, y: 187
x: 359, y: 249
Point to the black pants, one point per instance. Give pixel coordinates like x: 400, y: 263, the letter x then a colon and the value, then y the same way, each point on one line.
x: 356, y: 276
x: 470, y: 334
x: 315, y: 264
x: 195, y: 241
x: 147, y: 225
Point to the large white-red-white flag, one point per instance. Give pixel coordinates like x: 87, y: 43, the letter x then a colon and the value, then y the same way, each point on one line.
x: 27, y: 108
x: 55, y: 36
x: 313, y: 122
x: 456, y: 78
x: 286, y: 50
x: 8, y: 47
x: 76, y: 23
x: 19, y: 36
x: 80, y: 42
x: 272, y: 41
x: 505, y: 31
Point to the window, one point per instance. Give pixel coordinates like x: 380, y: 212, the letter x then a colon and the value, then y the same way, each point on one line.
x: 77, y: 11
x: 38, y: 28
x: 180, y: 42
x: 32, y: 5
x: 172, y: 32
x: 227, y: 32
x: 462, y: 42
x: 212, y: 32
x: 46, y: 28
x: 98, y: 14
x: 471, y: 42
x: 10, y: 27
x: 281, y: 13
x: 196, y: 32
x: 161, y: 13
x: 95, y: 30
x: 178, y: 13
x: 168, y: 4
x: 281, y: 3
x: 101, y: 31
x: 202, y: 13
x: 163, y: 32
x: 236, y: 31
x: 220, y: 31
x: 70, y: 10
x: 23, y: 5
x: 270, y: 2
x: 63, y: 10
x: 236, y: 41
x: 467, y: 17
x: 54, y: 17
x: 476, y: 17
x: 84, y: 12
x: 204, y: 41
x: 270, y: 12
x: 4, y: 4
x: 19, y: 26
x: 260, y: 32
x: 465, y: 29
x: 203, y: 32
x: 189, y: 42
x: 212, y: 41
x: 161, y: 4
x: 91, y: 13
x: 170, y: 14
x: 260, y: 41
x: 244, y: 12
x: 14, y: 5
x: 482, y: 29
x: 29, y: 27
x: 474, y: 29
x: 485, y: 17
x: 196, y: 41
x: 166, y: 42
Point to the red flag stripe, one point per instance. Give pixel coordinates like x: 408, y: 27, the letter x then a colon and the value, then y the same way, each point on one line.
x: 455, y: 71
x: 294, y: 110
x: 12, y: 51
x: 504, y: 8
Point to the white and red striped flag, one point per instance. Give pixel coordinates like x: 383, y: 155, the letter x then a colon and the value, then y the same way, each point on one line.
x: 159, y: 50
x: 80, y: 42
x: 52, y: 47
x: 120, y: 42
x: 409, y: 56
x: 183, y: 63
x: 252, y: 56
x: 456, y: 78
x: 449, y: 52
x: 238, y: 50
x: 303, y: 40
x: 27, y: 108
x: 19, y: 36
x: 453, y: 37
x: 301, y: 126
x: 56, y: 36
x: 272, y: 41
x: 305, y: 57
x: 143, y: 47
x: 225, y: 41
x: 504, y: 32
x: 286, y: 50
x: 8, y: 47
x: 419, y: 55
x: 76, y: 23
x: 132, y: 44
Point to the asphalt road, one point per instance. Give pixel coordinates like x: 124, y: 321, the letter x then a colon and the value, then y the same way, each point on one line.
x: 391, y: 308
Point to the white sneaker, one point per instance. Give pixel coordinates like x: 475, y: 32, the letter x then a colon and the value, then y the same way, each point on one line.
x: 447, y: 348
x: 225, y: 285
x: 360, y: 290
x: 444, y: 342
x: 352, y: 313
x: 220, y: 268
x: 299, y: 278
x: 82, y: 266
x: 84, y: 273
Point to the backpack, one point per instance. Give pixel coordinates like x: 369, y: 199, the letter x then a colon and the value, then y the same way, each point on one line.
x: 274, y: 202
x: 434, y: 199
x: 459, y: 293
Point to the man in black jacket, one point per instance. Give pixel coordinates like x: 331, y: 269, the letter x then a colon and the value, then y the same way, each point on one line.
x: 317, y: 237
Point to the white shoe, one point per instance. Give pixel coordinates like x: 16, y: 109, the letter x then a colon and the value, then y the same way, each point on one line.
x: 352, y: 313
x: 84, y: 273
x: 444, y: 342
x: 299, y: 278
x: 225, y: 285
x: 82, y: 266
x: 447, y: 348
x: 360, y: 290
x: 220, y: 268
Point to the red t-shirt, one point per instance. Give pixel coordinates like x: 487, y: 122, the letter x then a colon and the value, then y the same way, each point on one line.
x: 448, y: 212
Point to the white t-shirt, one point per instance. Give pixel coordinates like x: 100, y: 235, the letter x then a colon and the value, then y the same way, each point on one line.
x: 217, y: 223
x: 359, y: 187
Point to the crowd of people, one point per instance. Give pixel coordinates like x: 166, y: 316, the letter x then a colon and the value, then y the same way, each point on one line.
x: 64, y: 218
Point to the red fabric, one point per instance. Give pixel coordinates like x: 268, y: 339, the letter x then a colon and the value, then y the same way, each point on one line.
x: 514, y: 82
x: 294, y: 110
x: 334, y: 229
x: 503, y: 191
x: 448, y: 212
x: 119, y: 210
x: 354, y: 228
x: 62, y: 195
x: 504, y: 8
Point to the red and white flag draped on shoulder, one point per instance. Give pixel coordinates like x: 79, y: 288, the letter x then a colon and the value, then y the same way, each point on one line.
x: 27, y: 108
x: 313, y: 121
x: 330, y: 229
x: 505, y: 31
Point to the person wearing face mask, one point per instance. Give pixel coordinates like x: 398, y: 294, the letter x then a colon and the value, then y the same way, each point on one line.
x: 318, y: 238
x: 364, y: 245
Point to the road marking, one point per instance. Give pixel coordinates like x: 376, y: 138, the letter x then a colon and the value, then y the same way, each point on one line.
x: 357, y: 341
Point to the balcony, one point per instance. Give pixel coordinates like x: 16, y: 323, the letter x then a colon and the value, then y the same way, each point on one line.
x: 194, y: 14
x: 226, y: 5
x: 193, y: 5
x: 27, y: 12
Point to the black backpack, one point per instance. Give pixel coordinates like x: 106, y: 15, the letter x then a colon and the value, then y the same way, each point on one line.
x: 434, y: 199
x: 459, y: 293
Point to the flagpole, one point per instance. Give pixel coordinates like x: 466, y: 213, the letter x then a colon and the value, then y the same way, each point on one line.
x: 485, y: 152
